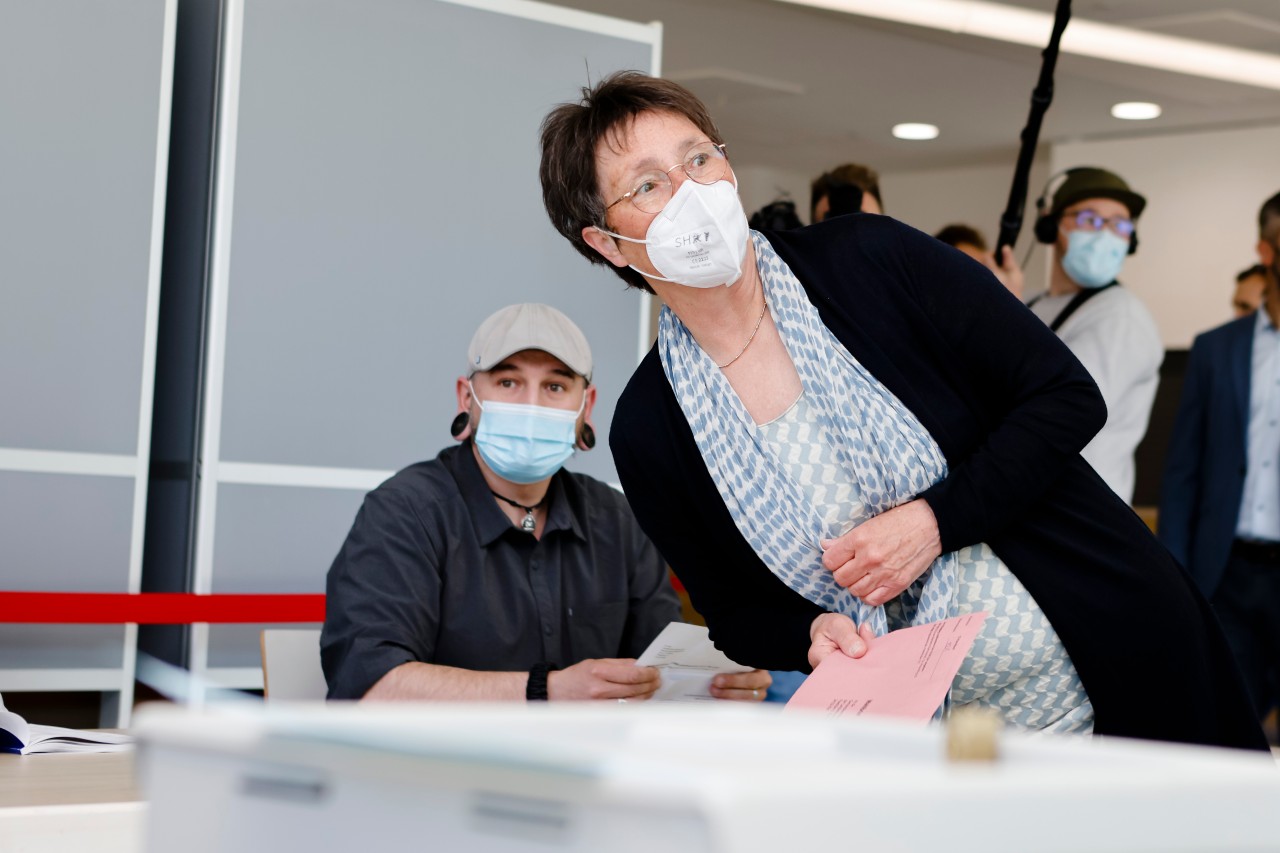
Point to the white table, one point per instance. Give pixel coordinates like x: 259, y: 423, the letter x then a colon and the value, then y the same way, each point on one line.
x: 70, y: 803
x: 610, y: 778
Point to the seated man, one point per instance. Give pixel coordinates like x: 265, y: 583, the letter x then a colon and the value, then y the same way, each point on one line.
x: 490, y: 574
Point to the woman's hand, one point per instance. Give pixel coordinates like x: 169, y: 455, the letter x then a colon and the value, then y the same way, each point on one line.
x: 742, y: 686
x: 832, y: 632
x: 881, y: 557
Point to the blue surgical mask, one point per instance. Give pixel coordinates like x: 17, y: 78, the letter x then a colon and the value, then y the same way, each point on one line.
x: 523, y: 443
x: 1094, y: 258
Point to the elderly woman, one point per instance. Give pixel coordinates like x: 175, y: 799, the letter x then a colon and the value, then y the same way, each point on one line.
x: 851, y: 428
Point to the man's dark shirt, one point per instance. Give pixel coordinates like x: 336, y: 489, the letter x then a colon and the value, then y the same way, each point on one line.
x: 433, y: 571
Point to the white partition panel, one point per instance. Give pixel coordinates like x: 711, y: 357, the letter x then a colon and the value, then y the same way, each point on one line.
x: 377, y: 197
x: 84, y: 132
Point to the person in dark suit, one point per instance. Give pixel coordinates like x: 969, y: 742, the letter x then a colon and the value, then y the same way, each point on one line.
x: 1220, y: 499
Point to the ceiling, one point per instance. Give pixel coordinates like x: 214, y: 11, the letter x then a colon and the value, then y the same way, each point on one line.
x: 803, y: 89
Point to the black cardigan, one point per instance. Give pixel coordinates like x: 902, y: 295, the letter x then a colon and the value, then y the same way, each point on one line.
x: 1011, y: 407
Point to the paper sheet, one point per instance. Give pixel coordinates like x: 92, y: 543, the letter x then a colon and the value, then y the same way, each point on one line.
x: 904, y: 674
x: 688, y: 661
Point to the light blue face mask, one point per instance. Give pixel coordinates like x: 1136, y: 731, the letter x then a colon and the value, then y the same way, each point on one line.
x: 1094, y: 258
x: 522, y: 443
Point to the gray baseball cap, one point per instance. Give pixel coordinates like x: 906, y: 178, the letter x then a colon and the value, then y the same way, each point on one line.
x: 529, y: 325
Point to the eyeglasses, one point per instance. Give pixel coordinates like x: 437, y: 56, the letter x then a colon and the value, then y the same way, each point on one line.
x: 1088, y: 220
x: 705, y: 163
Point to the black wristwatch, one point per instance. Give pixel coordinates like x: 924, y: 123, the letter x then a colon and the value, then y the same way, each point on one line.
x: 536, y: 689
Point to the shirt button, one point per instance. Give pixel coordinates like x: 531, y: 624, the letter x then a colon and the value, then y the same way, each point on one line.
x: 546, y: 630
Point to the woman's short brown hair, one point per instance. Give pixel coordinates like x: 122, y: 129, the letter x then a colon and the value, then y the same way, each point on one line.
x: 571, y: 134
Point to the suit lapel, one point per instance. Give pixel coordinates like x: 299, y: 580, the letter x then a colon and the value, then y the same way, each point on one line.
x: 1240, y: 358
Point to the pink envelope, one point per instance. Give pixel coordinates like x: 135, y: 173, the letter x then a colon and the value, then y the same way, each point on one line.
x: 904, y: 674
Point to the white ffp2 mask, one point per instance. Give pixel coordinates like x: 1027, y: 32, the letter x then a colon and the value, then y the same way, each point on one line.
x: 700, y: 238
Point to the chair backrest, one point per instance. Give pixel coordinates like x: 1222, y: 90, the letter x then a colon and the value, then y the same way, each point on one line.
x: 291, y: 665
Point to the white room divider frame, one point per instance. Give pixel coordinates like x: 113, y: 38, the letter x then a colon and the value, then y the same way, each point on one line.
x: 218, y: 471
x: 115, y: 683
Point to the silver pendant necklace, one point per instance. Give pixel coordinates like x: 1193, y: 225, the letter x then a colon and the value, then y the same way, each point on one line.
x: 528, y: 523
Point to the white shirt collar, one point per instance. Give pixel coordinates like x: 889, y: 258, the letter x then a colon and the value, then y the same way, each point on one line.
x: 1264, y: 323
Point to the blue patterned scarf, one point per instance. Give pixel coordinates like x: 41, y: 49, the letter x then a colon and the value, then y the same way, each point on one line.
x: 879, y: 445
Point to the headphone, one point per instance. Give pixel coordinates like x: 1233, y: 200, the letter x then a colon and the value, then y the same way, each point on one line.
x: 1046, y: 227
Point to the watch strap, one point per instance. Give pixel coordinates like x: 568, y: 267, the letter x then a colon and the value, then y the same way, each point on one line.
x: 536, y: 689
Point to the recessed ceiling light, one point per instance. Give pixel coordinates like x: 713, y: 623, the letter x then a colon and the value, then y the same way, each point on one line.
x: 1136, y: 110
x: 915, y: 130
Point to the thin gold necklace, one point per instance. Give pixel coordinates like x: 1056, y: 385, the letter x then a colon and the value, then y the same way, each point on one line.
x: 759, y: 320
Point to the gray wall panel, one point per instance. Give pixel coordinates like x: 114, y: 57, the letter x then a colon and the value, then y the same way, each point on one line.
x: 273, y: 539
x: 386, y: 201
x: 65, y: 532
x: 279, y: 538
x: 241, y: 645
x: 61, y: 646
x: 79, y: 94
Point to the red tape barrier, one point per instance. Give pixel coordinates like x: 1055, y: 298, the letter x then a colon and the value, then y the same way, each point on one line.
x: 164, y: 608
x: 156, y: 608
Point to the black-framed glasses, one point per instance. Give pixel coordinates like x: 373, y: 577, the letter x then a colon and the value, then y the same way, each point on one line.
x: 1091, y: 220
x: 705, y: 163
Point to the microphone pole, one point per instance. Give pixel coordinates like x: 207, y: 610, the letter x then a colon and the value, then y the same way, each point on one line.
x: 1041, y: 97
